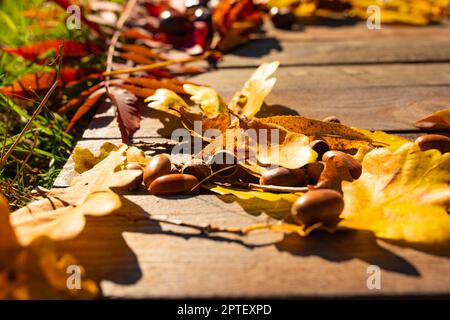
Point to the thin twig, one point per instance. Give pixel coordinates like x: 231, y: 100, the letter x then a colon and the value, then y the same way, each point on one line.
x: 157, y: 65
x: 203, y: 228
x: 37, y: 111
x: 212, y: 175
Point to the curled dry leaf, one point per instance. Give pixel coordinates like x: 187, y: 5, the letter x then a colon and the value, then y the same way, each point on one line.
x: 249, y: 100
x: 401, y: 195
x: 209, y: 108
x: 257, y: 146
x: 85, y: 160
x: 34, y: 269
x: 337, y: 136
x: 207, y: 99
x: 438, y: 121
x: 60, y: 215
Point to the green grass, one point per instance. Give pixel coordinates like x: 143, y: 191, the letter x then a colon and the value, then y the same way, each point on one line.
x: 43, y: 150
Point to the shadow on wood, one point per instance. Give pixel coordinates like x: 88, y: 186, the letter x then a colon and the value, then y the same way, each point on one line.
x: 276, y: 110
x: 258, y: 48
x: 346, y: 245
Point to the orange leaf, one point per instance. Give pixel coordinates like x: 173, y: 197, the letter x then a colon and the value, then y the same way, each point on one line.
x: 143, y: 50
x: 137, y: 58
x: 157, y: 84
x: 85, y: 107
x: 71, y: 49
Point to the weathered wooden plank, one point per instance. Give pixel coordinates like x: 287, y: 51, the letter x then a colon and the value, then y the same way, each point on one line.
x: 146, y: 260
x: 321, y: 45
x: 320, y: 32
x: 377, y: 97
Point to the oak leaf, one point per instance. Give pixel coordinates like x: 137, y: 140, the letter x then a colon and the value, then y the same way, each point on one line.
x: 401, y: 195
x: 85, y: 160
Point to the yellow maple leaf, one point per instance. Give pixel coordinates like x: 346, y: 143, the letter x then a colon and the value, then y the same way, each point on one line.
x: 401, y: 195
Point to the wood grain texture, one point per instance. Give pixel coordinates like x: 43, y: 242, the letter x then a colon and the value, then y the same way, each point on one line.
x: 322, y: 45
x: 376, y: 97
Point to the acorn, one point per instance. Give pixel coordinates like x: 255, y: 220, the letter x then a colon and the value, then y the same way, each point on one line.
x: 284, y: 177
x: 160, y: 165
x: 353, y: 165
x: 178, y: 183
x: 434, y: 141
x: 323, y: 205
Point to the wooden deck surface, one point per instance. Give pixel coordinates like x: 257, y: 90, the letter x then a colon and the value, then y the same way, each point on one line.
x: 375, y: 79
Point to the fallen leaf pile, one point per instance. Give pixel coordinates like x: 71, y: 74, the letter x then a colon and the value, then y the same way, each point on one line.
x: 152, y: 51
x: 325, y: 175
x: 322, y: 174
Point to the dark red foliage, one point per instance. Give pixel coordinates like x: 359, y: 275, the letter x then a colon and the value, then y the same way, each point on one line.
x: 127, y: 110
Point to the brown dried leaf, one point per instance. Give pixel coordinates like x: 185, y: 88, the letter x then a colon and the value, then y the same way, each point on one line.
x: 338, y: 136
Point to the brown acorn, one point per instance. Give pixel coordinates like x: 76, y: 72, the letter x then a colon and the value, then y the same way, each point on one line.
x: 178, y: 183
x: 160, y: 165
x: 284, y: 177
x: 323, y: 205
x: 434, y: 141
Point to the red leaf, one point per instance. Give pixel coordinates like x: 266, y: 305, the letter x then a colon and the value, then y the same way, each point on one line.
x: 128, y: 113
x: 67, y: 3
x: 78, y: 99
x: 44, y: 80
x: 71, y: 49
x: 85, y: 107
